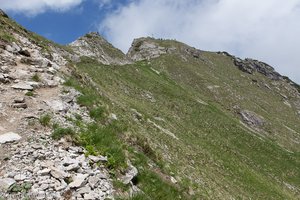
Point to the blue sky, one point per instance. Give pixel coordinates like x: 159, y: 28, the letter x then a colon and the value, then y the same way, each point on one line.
x: 266, y: 30
x: 65, y: 27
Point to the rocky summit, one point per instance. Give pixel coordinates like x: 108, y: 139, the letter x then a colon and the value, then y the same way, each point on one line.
x: 164, y: 121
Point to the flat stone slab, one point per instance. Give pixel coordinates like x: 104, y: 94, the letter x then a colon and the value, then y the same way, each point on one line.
x: 78, y: 181
x: 56, y: 105
x: 22, y: 86
x: 97, y: 158
x: 9, y: 137
x: 5, y: 183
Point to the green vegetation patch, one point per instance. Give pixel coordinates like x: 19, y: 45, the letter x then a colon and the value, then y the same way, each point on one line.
x: 105, y: 140
x: 45, y: 119
x: 60, y: 132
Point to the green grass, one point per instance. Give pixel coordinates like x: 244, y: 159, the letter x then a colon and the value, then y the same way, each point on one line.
x: 97, y: 113
x: 155, y: 188
x: 213, y: 148
x: 60, y: 132
x: 105, y: 141
x: 108, y: 139
x: 30, y: 94
x: 45, y: 119
x: 7, y: 37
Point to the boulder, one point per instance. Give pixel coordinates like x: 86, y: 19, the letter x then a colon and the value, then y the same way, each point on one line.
x: 44, y: 172
x: 22, y: 86
x: 90, y: 196
x: 72, y: 167
x: 6, y: 183
x: 78, y: 181
x: 193, y: 52
x: 61, y: 186
x: 70, y: 96
x: 93, y: 181
x: 19, y: 100
x: 19, y: 105
x: 113, y: 116
x: 20, y: 177
x: 252, y: 119
x: 130, y: 174
x: 9, y: 137
x: 98, y: 158
x: 3, y: 79
x: 84, y: 190
x: 31, y: 61
x: 11, y: 49
x: 56, y: 105
x: 58, y: 173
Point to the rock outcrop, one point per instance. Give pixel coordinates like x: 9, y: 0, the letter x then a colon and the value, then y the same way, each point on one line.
x: 95, y: 46
x: 250, y: 66
x: 143, y: 49
x: 149, y: 48
x: 252, y: 119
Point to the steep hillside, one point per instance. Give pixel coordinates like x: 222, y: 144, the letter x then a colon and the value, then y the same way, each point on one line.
x: 174, y: 122
x: 223, y: 132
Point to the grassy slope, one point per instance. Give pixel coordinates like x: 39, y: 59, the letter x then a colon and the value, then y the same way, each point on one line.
x: 214, y: 153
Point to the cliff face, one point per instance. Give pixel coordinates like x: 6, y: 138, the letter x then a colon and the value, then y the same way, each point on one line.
x: 164, y: 121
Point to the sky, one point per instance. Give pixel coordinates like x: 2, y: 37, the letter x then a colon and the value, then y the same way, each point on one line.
x: 266, y: 30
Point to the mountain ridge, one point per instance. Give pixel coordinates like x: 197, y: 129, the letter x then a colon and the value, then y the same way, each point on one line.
x: 164, y: 121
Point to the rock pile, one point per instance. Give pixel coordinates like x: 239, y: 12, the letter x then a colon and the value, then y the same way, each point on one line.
x: 50, y: 170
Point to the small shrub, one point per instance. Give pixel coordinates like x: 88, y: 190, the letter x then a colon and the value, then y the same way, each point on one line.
x: 45, y: 120
x: 36, y: 78
x: 55, y: 126
x: 60, y: 132
x: 30, y: 94
x: 90, y: 150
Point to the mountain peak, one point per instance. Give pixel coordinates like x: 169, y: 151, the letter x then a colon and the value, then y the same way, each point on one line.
x: 146, y: 48
x: 95, y: 46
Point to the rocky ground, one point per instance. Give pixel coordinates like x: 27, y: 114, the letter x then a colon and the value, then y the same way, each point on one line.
x: 33, y: 165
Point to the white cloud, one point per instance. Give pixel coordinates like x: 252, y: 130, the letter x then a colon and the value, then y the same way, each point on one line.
x: 34, y: 7
x: 104, y: 3
x: 267, y: 30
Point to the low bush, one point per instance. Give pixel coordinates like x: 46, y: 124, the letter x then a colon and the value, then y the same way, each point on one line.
x: 60, y: 132
x: 45, y: 119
